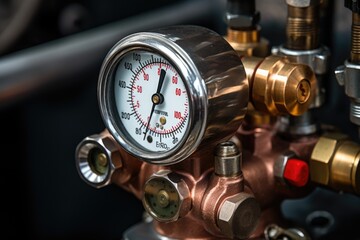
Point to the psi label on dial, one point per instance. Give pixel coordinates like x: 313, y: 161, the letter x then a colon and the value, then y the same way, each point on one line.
x: 151, y: 100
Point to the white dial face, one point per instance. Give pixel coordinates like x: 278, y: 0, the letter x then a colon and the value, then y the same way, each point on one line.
x: 151, y: 100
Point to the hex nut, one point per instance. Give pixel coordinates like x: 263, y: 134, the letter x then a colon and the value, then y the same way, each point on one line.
x: 105, y: 145
x: 322, y: 155
x: 178, y: 186
x: 238, y: 216
x: 279, y: 165
x: 302, y: 3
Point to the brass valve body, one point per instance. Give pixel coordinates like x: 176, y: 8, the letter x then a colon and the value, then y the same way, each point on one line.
x: 278, y: 86
x: 335, y: 163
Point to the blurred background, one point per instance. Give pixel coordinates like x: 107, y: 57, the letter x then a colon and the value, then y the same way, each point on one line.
x: 50, y: 56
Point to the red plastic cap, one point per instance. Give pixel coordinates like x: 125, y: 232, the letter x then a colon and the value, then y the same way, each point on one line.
x: 296, y: 172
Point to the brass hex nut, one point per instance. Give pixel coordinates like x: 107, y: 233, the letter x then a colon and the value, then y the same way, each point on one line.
x: 238, y: 216
x: 322, y: 155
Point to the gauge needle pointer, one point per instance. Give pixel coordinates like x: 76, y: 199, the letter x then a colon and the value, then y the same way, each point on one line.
x: 156, y: 98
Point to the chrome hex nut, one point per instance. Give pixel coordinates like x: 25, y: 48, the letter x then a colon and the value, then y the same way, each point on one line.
x: 97, y: 157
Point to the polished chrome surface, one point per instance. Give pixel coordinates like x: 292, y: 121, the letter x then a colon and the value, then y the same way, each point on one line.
x: 227, y: 159
x: 105, y: 146
x: 214, y: 77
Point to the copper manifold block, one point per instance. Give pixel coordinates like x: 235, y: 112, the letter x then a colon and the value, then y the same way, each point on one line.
x: 211, y: 193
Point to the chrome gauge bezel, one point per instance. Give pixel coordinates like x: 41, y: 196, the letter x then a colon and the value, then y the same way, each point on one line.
x: 194, y: 84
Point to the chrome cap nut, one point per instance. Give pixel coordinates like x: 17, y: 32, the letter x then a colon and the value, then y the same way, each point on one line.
x: 97, y: 157
x: 238, y: 216
x: 322, y: 155
x: 166, y: 196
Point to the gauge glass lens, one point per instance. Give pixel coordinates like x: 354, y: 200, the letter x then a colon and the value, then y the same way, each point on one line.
x: 151, y: 101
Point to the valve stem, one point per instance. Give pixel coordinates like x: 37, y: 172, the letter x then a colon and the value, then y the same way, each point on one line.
x: 355, y: 38
x: 302, y: 27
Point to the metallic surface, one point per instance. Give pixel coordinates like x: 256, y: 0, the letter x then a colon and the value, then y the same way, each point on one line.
x: 279, y: 166
x: 355, y: 39
x: 218, y: 96
x: 227, y: 159
x: 238, y: 216
x: 106, y: 146
x: 241, y: 14
x: 302, y: 27
x: 274, y: 232
x: 37, y: 69
x: 279, y: 87
x: 171, y: 196
x: 302, y: 3
x: 335, y: 163
x: 248, y: 42
x: 348, y: 76
x: 317, y: 59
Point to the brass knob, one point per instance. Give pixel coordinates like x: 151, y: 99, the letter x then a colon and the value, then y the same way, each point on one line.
x: 279, y: 87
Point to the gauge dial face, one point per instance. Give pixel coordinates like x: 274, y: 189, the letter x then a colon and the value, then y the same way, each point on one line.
x: 151, y: 101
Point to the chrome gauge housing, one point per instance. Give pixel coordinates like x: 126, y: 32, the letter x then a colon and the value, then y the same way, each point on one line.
x: 164, y: 94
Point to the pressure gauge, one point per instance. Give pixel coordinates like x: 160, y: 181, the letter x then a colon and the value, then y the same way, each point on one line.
x: 165, y: 93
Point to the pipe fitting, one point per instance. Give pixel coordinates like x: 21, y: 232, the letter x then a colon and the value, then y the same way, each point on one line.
x: 335, y: 163
x: 97, y: 157
x: 227, y: 159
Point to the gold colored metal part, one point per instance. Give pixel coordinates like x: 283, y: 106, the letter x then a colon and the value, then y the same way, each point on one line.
x: 155, y: 99
x: 302, y: 27
x: 163, y: 120
x: 163, y: 198
x: 248, y: 42
x: 335, y: 163
x: 278, y: 86
x: 355, y: 39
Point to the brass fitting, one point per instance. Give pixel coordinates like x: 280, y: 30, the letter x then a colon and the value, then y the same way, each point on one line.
x: 248, y: 42
x: 355, y: 38
x: 279, y: 87
x: 302, y: 24
x: 335, y: 163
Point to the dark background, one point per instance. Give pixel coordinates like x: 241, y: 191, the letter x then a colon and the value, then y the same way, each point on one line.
x: 40, y: 127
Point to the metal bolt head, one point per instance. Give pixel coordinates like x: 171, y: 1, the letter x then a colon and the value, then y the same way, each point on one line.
x: 166, y: 196
x: 238, y: 216
x: 97, y: 157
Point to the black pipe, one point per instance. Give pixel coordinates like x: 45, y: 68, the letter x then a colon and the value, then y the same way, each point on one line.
x: 29, y: 71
